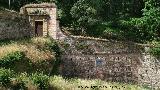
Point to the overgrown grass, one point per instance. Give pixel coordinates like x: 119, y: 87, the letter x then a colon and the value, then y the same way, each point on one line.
x: 44, y: 82
x: 34, y: 48
x: 28, y: 55
x: 37, y: 54
x: 60, y: 83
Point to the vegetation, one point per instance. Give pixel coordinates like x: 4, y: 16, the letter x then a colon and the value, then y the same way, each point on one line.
x: 28, y: 55
x: 5, y: 76
x: 123, y: 19
x: 34, y: 60
x: 43, y: 82
x: 30, y: 71
x: 155, y: 49
x: 132, y: 20
x: 11, y: 58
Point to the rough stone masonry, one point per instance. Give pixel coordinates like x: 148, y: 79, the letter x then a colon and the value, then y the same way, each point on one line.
x: 13, y: 25
x: 109, y: 60
x: 32, y: 21
x: 85, y: 57
x: 43, y: 19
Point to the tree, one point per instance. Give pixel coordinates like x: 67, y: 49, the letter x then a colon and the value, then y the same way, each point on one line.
x: 64, y: 7
x: 83, y: 15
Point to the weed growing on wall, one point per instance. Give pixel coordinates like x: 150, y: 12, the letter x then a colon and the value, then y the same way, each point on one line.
x: 155, y: 51
x: 81, y: 46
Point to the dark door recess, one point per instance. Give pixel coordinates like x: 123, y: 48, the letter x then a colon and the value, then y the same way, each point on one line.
x: 38, y: 28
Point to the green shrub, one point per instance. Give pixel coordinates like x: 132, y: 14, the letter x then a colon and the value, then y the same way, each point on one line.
x: 20, y: 85
x: 64, y: 45
x: 20, y: 82
x: 54, y: 47
x: 155, y: 51
x: 9, y: 59
x: 41, y: 80
x: 5, y: 76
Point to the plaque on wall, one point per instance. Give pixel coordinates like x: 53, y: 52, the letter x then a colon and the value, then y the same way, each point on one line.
x: 99, y: 62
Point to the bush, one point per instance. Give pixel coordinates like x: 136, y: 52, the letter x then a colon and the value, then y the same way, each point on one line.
x: 41, y: 80
x: 20, y: 82
x: 5, y: 76
x: 155, y: 51
x: 9, y: 59
x: 145, y: 28
x: 53, y: 46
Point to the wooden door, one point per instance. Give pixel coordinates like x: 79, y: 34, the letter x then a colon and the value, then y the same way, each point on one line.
x: 38, y: 28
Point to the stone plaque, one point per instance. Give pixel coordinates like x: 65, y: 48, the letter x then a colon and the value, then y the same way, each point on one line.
x: 99, y: 62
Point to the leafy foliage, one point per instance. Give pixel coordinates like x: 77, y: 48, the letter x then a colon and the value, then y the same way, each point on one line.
x: 88, y: 16
x: 135, y: 20
x: 155, y: 51
x: 5, y: 76
x: 55, y: 48
x: 146, y: 28
x: 41, y: 80
x: 19, y: 82
x: 11, y: 58
x: 83, y: 14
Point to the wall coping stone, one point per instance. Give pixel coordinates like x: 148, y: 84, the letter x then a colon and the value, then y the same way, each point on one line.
x: 42, y: 5
x: 101, y: 39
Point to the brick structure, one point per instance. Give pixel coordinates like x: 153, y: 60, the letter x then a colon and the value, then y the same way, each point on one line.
x: 43, y: 19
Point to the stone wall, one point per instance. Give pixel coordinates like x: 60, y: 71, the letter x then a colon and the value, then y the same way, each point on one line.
x: 149, y: 71
x: 108, y: 60
x: 53, y: 23
x: 12, y: 25
x: 45, y: 12
x: 115, y: 68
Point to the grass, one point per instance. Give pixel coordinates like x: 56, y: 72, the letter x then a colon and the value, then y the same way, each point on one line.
x: 38, y: 56
x: 36, y: 50
x: 60, y: 83
x: 31, y: 47
x: 83, y: 84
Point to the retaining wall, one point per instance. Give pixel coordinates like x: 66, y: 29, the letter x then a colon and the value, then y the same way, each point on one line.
x: 109, y: 60
x: 13, y: 26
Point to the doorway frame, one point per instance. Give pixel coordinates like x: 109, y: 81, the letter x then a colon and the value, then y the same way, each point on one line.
x: 42, y: 26
x: 44, y: 18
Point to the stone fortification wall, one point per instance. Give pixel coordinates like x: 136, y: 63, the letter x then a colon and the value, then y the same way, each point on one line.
x: 12, y: 25
x: 108, y: 60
